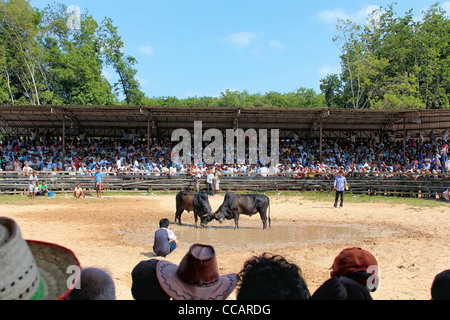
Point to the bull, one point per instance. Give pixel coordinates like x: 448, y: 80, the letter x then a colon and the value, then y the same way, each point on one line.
x: 248, y: 204
x: 193, y: 201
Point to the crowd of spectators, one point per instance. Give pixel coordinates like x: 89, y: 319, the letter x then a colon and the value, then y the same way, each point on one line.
x: 298, y: 156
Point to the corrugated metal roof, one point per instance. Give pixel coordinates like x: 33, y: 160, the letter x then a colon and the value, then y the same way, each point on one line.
x: 112, y: 120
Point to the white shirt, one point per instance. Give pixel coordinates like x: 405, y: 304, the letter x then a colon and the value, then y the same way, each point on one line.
x: 170, y: 234
x: 32, y: 181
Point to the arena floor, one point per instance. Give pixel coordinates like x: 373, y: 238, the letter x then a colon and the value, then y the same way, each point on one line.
x: 115, y: 233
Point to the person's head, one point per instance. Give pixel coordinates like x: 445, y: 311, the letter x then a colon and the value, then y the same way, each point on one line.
x: 145, y: 285
x: 357, y: 264
x: 440, y: 289
x: 164, y: 223
x: 271, y: 277
x: 95, y: 284
x: 341, y: 288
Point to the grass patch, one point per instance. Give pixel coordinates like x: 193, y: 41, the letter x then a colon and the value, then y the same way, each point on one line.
x: 316, y: 196
x: 364, y: 198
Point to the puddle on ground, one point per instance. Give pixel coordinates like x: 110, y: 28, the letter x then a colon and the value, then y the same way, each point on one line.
x: 278, y: 235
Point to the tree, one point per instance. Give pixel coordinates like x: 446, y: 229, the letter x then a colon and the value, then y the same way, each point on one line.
x: 393, y: 62
x: 331, y: 87
x: 74, y: 59
x: 361, y: 69
x: 20, y: 54
x: 112, y: 46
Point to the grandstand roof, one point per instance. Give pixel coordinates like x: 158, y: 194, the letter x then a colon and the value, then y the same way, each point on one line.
x: 110, y: 121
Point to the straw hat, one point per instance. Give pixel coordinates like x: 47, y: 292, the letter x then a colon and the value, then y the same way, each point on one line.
x: 32, y: 270
x: 197, y: 277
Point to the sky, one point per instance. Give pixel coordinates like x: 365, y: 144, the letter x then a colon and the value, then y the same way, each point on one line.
x: 204, y: 47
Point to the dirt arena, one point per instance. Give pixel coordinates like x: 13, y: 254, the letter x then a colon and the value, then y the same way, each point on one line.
x: 115, y: 233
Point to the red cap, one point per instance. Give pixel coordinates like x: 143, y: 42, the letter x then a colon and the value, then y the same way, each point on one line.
x: 352, y: 260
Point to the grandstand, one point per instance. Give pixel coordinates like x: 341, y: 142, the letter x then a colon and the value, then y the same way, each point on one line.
x: 160, y: 122
x: 110, y: 121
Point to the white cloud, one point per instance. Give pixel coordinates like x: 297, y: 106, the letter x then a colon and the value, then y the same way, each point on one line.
x: 446, y: 7
x: 147, y: 50
x: 255, y: 44
x: 326, y: 69
x: 420, y: 16
x: 241, y: 39
x: 277, y: 45
x: 108, y: 75
x: 360, y: 16
x: 331, y: 16
x: 143, y: 81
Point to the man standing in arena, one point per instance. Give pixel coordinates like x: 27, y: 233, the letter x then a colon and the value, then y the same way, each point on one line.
x: 339, y: 185
x: 33, y: 184
x: 98, y: 176
x: 209, y: 182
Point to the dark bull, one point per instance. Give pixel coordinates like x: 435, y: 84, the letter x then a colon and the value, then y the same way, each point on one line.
x: 194, y: 201
x: 248, y: 204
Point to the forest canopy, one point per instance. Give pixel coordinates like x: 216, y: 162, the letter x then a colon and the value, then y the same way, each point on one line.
x: 392, y: 62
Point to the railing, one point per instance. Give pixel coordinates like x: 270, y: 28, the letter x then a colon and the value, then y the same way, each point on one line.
x: 404, y: 184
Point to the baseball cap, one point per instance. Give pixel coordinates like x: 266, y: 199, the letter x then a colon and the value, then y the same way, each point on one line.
x: 352, y: 260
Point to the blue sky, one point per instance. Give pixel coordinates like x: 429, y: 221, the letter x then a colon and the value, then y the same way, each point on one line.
x: 201, y: 48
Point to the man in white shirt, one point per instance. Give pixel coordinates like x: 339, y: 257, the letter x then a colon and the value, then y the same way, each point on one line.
x: 165, y: 240
x: 33, y: 184
x: 209, y: 182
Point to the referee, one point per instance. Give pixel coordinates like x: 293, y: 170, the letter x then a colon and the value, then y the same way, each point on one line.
x: 339, y: 185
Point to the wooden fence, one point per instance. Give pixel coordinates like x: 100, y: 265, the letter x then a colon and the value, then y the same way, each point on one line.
x: 428, y: 185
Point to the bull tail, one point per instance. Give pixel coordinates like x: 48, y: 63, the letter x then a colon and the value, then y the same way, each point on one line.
x: 270, y: 223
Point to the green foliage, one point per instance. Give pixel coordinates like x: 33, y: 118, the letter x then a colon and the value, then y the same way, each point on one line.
x: 112, y: 45
x: 50, y: 63
x: 392, y: 63
x: 43, y: 61
x: 303, y: 98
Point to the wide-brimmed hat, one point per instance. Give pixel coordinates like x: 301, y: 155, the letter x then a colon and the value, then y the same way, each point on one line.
x: 33, y: 270
x: 197, y: 277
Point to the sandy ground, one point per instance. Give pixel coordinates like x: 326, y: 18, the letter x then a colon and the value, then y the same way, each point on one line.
x: 115, y: 233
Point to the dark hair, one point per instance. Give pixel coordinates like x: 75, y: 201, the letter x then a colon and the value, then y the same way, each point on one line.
x: 164, y: 223
x: 440, y: 289
x: 355, y: 290
x: 95, y: 284
x: 341, y: 288
x: 270, y: 277
x: 332, y: 289
x: 145, y: 285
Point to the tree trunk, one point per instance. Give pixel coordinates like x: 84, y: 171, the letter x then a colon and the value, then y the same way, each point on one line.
x: 9, y: 87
